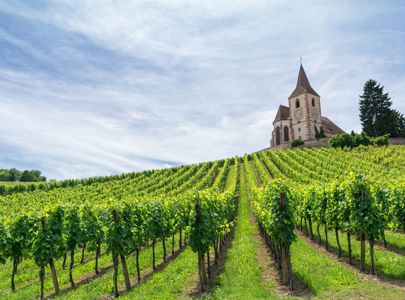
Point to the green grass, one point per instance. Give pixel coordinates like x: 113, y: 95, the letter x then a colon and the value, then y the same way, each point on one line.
x: 27, y: 277
x: 328, y: 278
x: 103, y: 285
x: 388, y: 263
x: 395, y: 239
x: 319, y: 272
x: 172, y: 282
x: 241, y: 277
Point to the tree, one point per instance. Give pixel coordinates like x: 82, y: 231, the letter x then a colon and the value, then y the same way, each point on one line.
x: 399, y: 124
x: 375, y: 109
x: 27, y: 176
x: 32, y: 176
x: 376, y: 116
x: 14, y: 174
x: 5, y: 175
x: 10, y: 175
x: 317, y: 135
x: 322, y: 133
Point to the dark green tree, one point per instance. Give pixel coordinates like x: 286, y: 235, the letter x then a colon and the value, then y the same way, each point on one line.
x: 375, y: 110
x: 317, y: 135
x: 32, y: 176
x: 14, y: 174
x: 399, y: 124
x: 27, y: 176
x: 322, y: 133
x: 376, y: 115
x: 10, y: 174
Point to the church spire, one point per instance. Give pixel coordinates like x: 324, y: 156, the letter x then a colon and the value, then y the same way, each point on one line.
x: 303, y: 85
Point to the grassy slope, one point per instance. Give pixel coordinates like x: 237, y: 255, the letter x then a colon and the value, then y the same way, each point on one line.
x: 241, y: 278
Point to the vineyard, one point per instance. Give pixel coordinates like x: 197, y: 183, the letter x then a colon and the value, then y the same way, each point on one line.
x: 325, y: 223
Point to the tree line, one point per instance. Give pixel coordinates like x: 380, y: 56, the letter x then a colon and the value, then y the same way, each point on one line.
x: 14, y: 175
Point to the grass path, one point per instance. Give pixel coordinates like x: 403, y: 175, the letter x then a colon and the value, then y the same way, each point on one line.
x: 241, y: 277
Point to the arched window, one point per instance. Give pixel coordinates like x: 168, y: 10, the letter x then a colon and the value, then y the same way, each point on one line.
x: 297, y: 103
x: 286, y: 135
x: 313, y: 101
x: 277, y: 135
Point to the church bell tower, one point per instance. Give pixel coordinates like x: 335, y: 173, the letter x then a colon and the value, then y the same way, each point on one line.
x: 305, y: 108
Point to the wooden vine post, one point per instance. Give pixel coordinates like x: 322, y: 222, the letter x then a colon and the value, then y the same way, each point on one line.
x: 201, y: 263
x: 362, y: 242
x: 138, y: 271
x: 123, y: 262
x: 51, y: 264
x: 285, y: 251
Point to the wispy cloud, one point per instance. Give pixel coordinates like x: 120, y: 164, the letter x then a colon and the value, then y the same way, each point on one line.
x: 91, y: 88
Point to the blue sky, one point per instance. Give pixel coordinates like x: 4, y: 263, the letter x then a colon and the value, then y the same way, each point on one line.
x: 99, y: 87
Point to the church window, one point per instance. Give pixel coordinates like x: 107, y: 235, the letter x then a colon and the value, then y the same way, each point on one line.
x: 313, y: 101
x: 299, y: 129
x: 297, y: 103
x: 286, y: 135
x: 277, y: 135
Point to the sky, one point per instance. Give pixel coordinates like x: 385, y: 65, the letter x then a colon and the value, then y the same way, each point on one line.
x: 91, y: 88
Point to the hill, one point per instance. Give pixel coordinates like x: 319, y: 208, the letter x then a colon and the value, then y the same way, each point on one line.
x: 137, y: 234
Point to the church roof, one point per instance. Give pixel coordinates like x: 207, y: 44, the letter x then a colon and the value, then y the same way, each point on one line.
x: 329, y: 126
x: 303, y: 85
x: 283, y: 113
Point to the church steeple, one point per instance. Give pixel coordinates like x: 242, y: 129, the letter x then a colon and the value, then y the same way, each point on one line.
x: 303, y: 85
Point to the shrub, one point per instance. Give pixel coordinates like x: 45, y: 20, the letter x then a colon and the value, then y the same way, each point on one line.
x: 380, y: 140
x: 361, y: 139
x: 352, y: 140
x: 341, y: 140
x: 296, y: 143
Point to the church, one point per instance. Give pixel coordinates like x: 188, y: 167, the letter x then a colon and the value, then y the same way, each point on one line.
x: 302, y: 118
